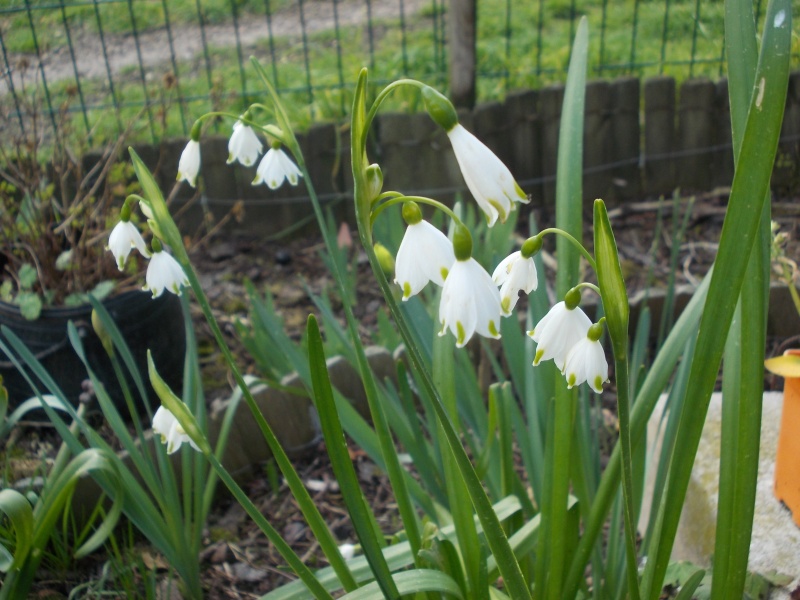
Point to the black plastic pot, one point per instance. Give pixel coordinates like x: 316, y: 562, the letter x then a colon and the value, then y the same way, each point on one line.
x: 144, y: 322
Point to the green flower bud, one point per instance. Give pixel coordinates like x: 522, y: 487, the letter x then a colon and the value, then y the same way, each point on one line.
x: 411, y: 213
x: 195, y: 133
x: 462, y: 243
x: 439, y: 108
x: 572, y: 298
x: 596, y: 330
x: 374, y: 177
x: 102, y: 333
x: 385, y: 259
x: 531, y: 246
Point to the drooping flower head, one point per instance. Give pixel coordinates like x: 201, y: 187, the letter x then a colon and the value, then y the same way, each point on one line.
x: 517, y: 273
x: 487, y: 178
x: 559, y: 330
x: 167, y: 427
x: 425, y: 254
x: 124, y: 237
x: 164, y: 273
x: 189, y: 163
x: 586, y: 361
x: 276, y: 167
x: 244, y: 144
x: 470, y: 300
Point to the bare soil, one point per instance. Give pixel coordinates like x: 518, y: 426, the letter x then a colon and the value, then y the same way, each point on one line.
x: 238, y: 562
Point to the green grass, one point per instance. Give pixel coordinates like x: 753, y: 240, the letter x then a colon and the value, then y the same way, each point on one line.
x: 516, y: 50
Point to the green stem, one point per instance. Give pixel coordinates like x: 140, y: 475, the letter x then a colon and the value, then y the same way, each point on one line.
x: 382, y: 95
x: 584, y: 252
x: 419, y: 200
x: 623, y: 414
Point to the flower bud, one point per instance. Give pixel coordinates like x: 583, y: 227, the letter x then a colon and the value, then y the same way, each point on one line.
x: 385, y: 259
x: 462, y: 243
x: 374, y: 182
x: 102, y: 333
x: 439, y: 108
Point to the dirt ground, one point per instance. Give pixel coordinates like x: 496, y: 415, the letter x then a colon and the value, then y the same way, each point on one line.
x: 238, y: 562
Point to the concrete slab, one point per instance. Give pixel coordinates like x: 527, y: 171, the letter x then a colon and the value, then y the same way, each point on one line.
x: 775, y: 544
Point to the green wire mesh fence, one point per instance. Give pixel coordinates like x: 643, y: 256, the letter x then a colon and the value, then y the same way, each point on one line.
x: 103, y: 64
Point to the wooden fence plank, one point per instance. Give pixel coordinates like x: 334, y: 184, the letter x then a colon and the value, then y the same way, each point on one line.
x: 695, y: 134
x: 523, y: 115
x: 626, y: 177
x: 659, y: 135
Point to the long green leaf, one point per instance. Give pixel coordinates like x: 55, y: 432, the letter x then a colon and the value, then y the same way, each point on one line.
x: 18, y: 510
x: 740, y: 229
x: 744, y: 352
x: 569, y: 200
x: 416, y: 581
x: 357, y: 507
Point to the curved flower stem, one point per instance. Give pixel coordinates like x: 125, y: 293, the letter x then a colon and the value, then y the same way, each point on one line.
x: 587, y: 285
x: 382, y: 95
x: 420, y: 200
x: 575, y: 242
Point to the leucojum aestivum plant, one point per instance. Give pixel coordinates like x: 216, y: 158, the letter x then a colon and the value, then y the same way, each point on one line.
x: 474, y: 525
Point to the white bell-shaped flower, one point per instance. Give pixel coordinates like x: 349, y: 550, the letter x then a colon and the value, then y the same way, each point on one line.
x: 167, y: 427
x: 164, y: 273
x: 124, y: 237
x: 487, y: 178
x: 557, y: 332
x: 514, y: 274
x: 470, y: 302
x: 425, y: 254
x: 244, y: 145
x: 189, y: 163
x: 276, y: 167
x: 586, y: 361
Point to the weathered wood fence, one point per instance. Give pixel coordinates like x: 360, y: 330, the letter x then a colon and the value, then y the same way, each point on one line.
x: 641, y: 140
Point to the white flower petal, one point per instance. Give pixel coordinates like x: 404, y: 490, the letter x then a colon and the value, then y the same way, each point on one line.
x: 167, y: 427
x: 189, y: 163
x: 425, y: 254
x: 164, y: 272
x: 470, y: 303
x: 514, y: 274
x: 586, y: 361
x: 558, y: 331
x: 276, y: 167
x: 487, y: 178
x: 123, y: 238
x: 244, y: 145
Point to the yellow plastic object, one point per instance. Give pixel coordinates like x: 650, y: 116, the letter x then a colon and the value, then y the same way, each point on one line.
x: 787, y: 462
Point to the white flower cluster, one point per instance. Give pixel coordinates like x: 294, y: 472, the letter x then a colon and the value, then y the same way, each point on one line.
x: 471, y: 302
x: 244, y: 146
x: 163, y: 271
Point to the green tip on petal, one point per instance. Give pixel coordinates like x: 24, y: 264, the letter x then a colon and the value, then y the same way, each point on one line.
x: 522, y: 196
x: 406, y: 291
x: 503, y: 215
x: 538, y: 357
x: 411, y: 213
x: 461, y: 333
x: 493, y: 329
x: 598, y: 383
x: 571, y: 381
x: 505, y: 304
x: 444, y: 273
